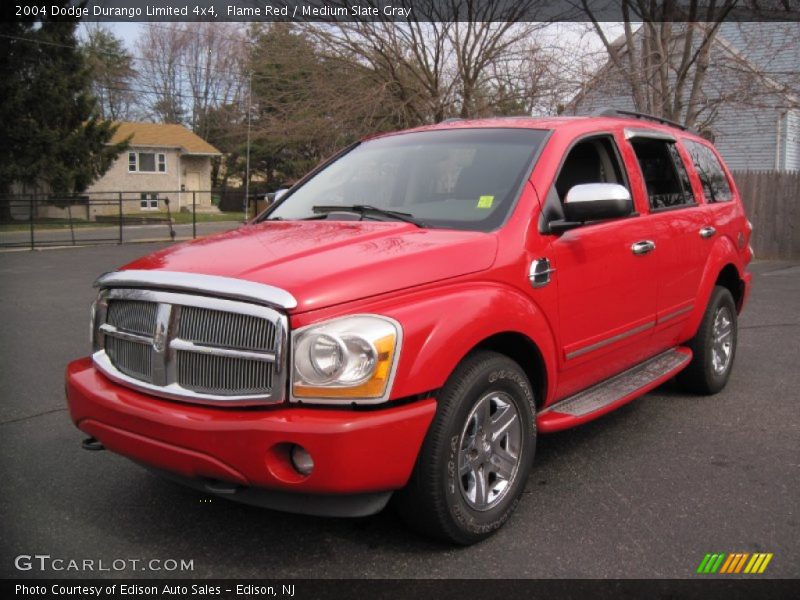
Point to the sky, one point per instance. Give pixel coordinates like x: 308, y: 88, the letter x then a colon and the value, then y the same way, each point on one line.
x: 128, y: 31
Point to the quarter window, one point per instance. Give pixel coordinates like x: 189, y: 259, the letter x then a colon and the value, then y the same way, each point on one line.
x: 709, y: 170
x: 664, y: 173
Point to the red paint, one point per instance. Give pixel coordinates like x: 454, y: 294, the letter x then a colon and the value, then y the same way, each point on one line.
x: 352, y: 451
x: 450, y: 291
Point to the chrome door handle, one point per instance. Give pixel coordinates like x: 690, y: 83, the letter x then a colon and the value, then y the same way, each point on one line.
x: 707, y: 232
x: 643, y: 247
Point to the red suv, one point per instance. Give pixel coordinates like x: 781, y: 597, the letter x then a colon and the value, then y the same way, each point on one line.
x: 410, y: 315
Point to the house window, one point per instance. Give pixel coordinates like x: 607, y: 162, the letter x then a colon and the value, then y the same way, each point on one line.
x: 147, y: 162
x: 706, y: 163
x: 148, y: 201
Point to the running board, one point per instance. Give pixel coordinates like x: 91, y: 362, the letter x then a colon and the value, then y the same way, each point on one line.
x: 614, y: 392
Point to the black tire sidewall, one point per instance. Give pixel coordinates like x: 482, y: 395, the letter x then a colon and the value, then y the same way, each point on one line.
x: 495, y: 374
x: 721, y: 297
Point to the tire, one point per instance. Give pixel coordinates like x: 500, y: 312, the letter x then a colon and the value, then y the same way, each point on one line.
x: 477, y: 455
x: 714, y: 346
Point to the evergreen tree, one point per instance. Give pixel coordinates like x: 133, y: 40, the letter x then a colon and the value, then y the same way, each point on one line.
x: 51, y: 135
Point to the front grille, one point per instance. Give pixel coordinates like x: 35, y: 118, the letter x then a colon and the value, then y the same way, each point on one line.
x: 132, y: 358
x: 192, y: 348
x: 211, y: 374
x: 225, y: 329
x: 133, y: 316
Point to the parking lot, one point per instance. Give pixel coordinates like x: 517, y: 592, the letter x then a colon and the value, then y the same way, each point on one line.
x: 644, y: 492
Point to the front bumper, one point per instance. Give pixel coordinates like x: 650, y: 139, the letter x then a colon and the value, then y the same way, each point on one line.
x: 363, y: 454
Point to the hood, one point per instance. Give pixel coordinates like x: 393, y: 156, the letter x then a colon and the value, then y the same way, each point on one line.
x: 322, y: 263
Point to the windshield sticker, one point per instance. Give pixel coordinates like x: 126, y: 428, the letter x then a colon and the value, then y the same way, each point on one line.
x: 485, y: 201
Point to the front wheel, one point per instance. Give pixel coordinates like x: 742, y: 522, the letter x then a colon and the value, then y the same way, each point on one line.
x: 478, y: 452
x: 714, y: 346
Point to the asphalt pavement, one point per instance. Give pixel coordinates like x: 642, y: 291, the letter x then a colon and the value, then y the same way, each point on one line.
x: 43, y: 236
x: 644, y: 492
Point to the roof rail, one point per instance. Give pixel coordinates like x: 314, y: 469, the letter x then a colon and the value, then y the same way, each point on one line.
x: 615, y: 112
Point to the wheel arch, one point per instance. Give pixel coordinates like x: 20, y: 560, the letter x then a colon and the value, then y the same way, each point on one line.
x: 729, y: 278
x: 523, y: 351
x: 491, y: 316
x: 723, y: 267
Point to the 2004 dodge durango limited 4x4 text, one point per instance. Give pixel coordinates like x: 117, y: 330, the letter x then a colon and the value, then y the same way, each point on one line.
x: 407, y: 318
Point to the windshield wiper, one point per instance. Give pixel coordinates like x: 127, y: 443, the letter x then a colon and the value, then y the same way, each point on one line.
x: 367, y: 210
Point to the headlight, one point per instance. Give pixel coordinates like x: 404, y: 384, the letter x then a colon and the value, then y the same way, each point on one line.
x: 348, y: 359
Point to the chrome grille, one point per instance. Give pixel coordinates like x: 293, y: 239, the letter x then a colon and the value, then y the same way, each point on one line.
x: 193, y: 348
x: 132, y: 358
x: 211, y: 374
x: 133, y: 316
x: 225, y: 329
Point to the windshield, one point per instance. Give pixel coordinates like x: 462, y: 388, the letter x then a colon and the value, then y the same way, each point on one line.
x: 457, y: 178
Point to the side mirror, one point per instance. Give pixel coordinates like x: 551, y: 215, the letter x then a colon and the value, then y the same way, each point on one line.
x: 279, y: 193
x: 596, y: 202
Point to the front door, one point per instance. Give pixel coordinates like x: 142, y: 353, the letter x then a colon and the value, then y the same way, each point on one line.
x: 607, y: 278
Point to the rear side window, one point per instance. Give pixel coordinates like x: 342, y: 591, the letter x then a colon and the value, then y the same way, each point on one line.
x: 706, y: 163
x: 664, y: 173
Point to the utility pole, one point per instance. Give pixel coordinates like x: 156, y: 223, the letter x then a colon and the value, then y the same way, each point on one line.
x: 247, y: 162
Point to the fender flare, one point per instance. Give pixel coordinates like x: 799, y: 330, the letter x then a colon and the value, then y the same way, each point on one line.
x: 434, y: 345
x: 722, y: 254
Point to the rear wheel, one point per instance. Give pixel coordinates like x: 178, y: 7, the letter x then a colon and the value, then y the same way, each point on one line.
x: 477, y: 455
x: 714, y: 346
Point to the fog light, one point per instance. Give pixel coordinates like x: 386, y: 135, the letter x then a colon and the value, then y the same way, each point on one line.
x: 301, y: 460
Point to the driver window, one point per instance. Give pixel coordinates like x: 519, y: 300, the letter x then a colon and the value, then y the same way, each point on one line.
x: 590, y: 161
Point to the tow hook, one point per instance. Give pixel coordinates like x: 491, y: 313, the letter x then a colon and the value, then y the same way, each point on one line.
x: 92, y: 444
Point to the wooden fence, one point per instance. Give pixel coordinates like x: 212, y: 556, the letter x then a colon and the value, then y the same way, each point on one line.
x: 772, y: 202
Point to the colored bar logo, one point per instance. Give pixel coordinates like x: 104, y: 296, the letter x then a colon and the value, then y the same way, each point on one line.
x: 737, y: 562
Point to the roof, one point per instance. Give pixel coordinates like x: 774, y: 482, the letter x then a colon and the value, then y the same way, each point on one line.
x: 162, y: 135
x: 570, y: 125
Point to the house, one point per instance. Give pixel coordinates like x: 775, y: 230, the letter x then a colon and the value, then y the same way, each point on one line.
x: 163, y: 162
x: 751, y: 92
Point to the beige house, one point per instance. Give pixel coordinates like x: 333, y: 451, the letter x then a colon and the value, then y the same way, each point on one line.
x: 162, y: 162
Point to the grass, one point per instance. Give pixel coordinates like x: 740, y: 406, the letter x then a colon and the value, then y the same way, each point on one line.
x: 160, y: 218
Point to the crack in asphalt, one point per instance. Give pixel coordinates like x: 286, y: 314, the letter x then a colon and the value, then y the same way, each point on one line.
x: 41, y: 414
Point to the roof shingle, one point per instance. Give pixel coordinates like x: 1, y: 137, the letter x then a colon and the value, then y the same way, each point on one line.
x: 163, y: 136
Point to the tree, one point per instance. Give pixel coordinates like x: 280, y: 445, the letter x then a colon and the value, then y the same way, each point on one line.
x: 665, y: 63
x: 160, y: 72
x: 213, y: 58
x: 304, y: 105
x: 189, y: 69
x: 112, y: 73
x: 52, y: 135
x: 452, y: 58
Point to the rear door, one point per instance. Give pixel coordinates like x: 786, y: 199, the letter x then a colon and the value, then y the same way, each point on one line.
x: 606, y: 288
x: 676, y: 219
